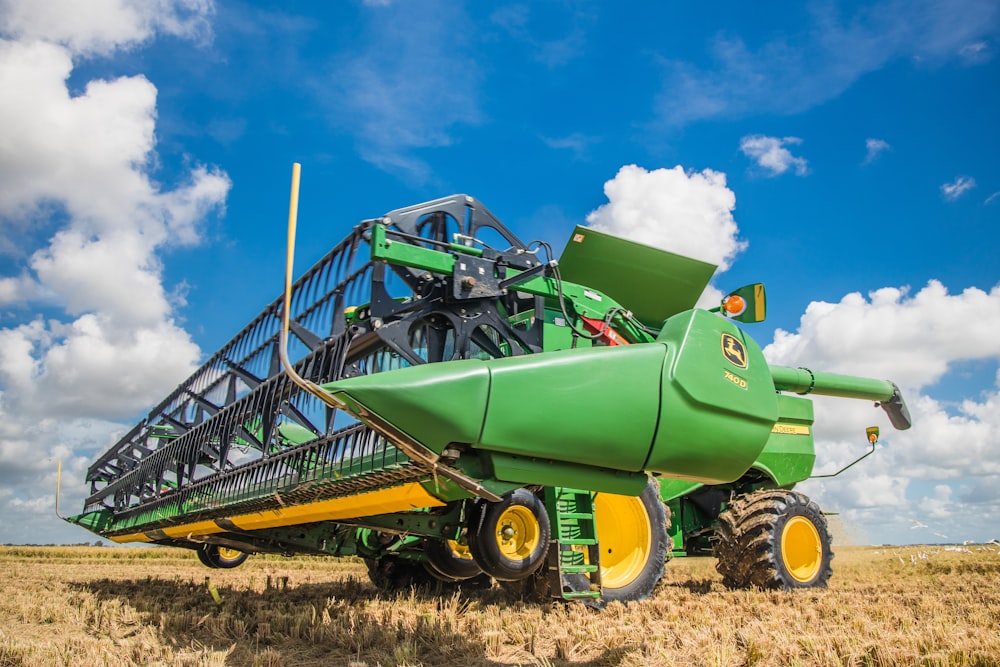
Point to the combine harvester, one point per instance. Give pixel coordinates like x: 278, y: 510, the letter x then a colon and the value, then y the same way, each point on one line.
x: 461, y: 408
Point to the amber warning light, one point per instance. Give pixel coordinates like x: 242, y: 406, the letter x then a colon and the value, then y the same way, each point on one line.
x: 734, y: 305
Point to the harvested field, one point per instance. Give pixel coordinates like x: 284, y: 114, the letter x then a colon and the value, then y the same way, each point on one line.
x: 92, y: 606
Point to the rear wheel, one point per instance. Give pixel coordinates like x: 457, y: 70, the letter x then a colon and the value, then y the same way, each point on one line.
x: 632, y: 535
x: 773, y: 539
x: 509, y: 539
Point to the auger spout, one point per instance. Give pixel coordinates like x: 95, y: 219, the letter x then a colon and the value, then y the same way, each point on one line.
x: 804, y: 381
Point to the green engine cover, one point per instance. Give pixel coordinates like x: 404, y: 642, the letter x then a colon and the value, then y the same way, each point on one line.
x: 718, y: 401
x: 698, y: 404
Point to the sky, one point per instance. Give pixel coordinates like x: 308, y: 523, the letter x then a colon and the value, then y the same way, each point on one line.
x: 843, y: 153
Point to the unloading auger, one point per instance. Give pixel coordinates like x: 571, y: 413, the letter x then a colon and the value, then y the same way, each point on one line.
x: 455, y: 406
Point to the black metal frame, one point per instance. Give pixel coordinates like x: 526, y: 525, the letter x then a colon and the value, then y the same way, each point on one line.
x: 218, y: 441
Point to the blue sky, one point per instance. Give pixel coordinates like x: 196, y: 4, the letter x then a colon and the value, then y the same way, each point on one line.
x: 842, y: 153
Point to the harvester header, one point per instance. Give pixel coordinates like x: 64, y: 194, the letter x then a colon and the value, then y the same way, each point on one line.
x: 452, y: 404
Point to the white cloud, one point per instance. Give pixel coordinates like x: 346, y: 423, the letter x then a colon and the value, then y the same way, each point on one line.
x: 799, y: 70
x: 911, y: 339
x: 771, y: 154
x: 874, y: 148
x: 914, y: 341
x: 688, y: 213
x: 992, y: 198
x: 958, y: 187
x: 907, y: 477
x: 103, y: 26
x: 977, y: 52
x: 79, y: 166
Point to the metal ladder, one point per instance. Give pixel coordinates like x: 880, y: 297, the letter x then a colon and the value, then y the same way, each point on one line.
x: 573, y: 564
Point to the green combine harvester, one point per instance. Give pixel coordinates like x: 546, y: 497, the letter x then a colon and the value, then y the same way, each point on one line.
x: 453, y: 405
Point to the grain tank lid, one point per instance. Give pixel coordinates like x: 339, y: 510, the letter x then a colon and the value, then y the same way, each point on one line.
x: 654, y: 284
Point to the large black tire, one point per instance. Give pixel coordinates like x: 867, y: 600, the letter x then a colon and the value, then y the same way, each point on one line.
x: 773, y: 539
x: 509, y: 539
x: 449, y: 561
x: 633, y: 539
x: 216, y: 557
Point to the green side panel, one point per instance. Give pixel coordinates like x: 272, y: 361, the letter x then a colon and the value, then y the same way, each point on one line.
x: 654, y: 284
x: 676, y: 529
x: 675, y: 488
x: 595, y: 406
x: 435, y: 404
x: 96, y: 522
x: 525, y: 470
x: 789, y: 454
x: 719, y: 403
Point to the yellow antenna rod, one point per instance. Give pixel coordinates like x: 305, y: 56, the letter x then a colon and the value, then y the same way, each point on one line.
x: 286, y: 310
x: 411, y: 448
x: 58, y: 484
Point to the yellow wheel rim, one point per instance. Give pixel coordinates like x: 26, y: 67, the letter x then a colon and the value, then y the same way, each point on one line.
x: 459, y: 550
x: 225, y: 553
x: 625, y: 538
x: 801, y: 549
x: 517, y: 533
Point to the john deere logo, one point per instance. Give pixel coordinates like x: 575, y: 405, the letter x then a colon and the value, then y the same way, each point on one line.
x: 733, y: 350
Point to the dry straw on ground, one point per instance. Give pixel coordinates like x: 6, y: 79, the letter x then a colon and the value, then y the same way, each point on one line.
x: 94, y: 606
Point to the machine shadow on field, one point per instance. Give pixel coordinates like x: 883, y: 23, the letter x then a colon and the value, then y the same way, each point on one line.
x: 339, y: 622
x: 694, y: 586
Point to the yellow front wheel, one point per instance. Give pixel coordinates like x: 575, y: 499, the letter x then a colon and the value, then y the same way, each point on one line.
x: 509, y: 539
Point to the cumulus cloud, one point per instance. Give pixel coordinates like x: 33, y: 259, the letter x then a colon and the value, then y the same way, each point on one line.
x: 771, y: 154
x: 874, y: 148
x: 915, y: 340
x: 100, y: 27
x: 686, y: 212
x: 958, y: 187
x: 78, y: 166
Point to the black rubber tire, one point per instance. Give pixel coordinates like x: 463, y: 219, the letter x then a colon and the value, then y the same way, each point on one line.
x: 518, y: 508
x: 648, y: 571
x: 203, y: 556
x: 211, y: 555
x: 774, y: 539
x: 447, y: 565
